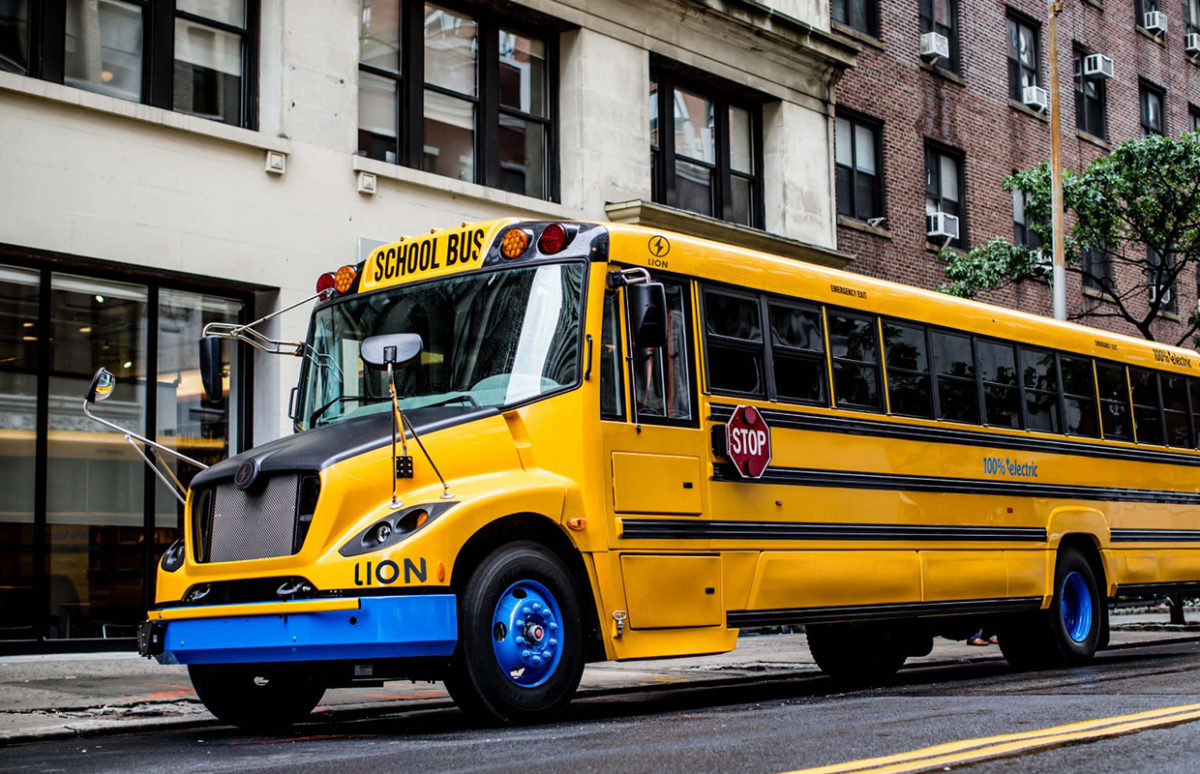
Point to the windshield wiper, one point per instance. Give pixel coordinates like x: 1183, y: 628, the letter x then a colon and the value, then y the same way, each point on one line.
x: 312, y: 420
x: 446, y: 401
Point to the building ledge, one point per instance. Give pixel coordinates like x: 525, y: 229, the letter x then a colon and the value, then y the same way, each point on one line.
x: 866, y: 228
x: 1145, y: 33
x: 857, y: 36
x: 1093, y: 140
x: 1017, y: 106
x: 942, y: 72
x: 460, y: 188
x: 1097, y: 4
x: 135, y: 111
x: 643, y: 213
x: 795, y: 32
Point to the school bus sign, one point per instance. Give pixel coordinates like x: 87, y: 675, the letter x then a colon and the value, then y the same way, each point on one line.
x: 748, y: 441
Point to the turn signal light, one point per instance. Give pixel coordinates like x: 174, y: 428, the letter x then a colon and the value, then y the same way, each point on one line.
x: 326, y: 282
x: 515, y: 243
x: 554, y: 239
x: 345, y: 278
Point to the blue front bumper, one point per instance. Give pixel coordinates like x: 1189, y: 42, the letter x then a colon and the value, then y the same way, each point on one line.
x: 381, y: 627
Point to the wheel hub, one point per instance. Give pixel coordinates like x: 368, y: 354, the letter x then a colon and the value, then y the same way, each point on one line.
x: 525, y: 633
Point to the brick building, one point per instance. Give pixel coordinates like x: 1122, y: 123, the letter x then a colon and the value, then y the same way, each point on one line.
x: 899, y: 115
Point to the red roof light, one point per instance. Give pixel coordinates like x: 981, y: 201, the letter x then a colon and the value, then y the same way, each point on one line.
x: 326, y: 282
x: 554, y: 239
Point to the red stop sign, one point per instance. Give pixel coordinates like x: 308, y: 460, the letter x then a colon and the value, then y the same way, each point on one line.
x: 748, y: 441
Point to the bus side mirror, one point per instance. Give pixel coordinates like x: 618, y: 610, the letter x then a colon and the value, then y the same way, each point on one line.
x: 102, y: 386
x: 210, y: 366
x: 395, y: 349
x: 647, y: 313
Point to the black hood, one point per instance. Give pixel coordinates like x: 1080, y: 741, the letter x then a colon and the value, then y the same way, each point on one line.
x: 317, y: 449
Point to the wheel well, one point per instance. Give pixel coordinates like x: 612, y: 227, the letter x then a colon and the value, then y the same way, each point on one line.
x: 1090, y: 548
x: 538, y: 529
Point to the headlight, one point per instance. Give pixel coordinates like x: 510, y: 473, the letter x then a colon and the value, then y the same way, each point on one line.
x: 172, y: 560
x: 393, y: 528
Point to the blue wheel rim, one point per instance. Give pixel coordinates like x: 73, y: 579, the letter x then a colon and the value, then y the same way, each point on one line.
x: 527, y: 633
x: 1076, y: 606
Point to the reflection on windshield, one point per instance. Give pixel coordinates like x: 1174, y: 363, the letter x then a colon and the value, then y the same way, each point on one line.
x: 489, y: 340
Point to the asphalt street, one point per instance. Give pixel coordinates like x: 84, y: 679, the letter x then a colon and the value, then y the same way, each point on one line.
x: 760, y: 726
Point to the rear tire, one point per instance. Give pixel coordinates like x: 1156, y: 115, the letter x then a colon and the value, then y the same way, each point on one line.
x: 257, y: 698
x: 856, y: 654
x: 520, y: 650
x: 1069, y: 632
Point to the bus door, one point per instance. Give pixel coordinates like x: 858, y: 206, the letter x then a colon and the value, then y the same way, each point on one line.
x: 655, y: 451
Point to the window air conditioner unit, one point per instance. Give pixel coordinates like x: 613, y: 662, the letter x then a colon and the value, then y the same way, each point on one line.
x: 1155, y: 21
x: 934, y: 46
x: 1035, y: 97
x: 941, y: 225
x: 1191, y: 44
x: 1097, y: 66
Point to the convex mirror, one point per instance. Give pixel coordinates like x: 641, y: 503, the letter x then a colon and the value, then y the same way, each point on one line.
x: 396, y: 349
x: 210, y: 366
x: 103, y: 384
x: 648, y: 313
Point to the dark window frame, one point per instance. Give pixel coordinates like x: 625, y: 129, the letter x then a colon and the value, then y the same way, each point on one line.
x: 1143, y: 7
x: 877, y: 186
x: 613, y: 297
x: 47, y: 52
x: 951, y: 32
x: 983, y: 384
x: 1022, y: 233
x: 937, y: 150
x: 927, y: 374
x: 1016, y: 68
x: 1083, y: 101
x: 744, y: 345
x: 1155, y: 386
x: 669, y: 76
x: 1064, y: 396
x: 1026, y: 391
x: 1093, y: 260
x: 687, y: 284
x: 1146, y: 89
x: 821, y: 356
x: 938, y: 409
x: 1194, y: 118
x: 410, y: 84
x: 867, y: 26
x: 1126, y: 401
x: 875, y: 365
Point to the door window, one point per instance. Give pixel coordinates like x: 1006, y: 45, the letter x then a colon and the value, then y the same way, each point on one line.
x: 662, y: 382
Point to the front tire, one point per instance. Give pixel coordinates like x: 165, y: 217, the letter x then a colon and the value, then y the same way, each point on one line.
x: 257, y: 698
x: 520, y: 652
x: 1069, y: 632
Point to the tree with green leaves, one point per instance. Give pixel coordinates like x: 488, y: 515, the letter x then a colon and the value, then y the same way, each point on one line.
x: 1135, y: 230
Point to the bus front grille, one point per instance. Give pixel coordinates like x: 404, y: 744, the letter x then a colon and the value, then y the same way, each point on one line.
x: 266, y: 521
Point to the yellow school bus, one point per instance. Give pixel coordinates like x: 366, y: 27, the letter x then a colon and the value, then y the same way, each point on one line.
x: 525, y: 446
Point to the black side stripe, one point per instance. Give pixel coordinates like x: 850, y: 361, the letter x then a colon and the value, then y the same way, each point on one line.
x: 842, y: 479
x: 805, y: 615
x: 641, y: 529
x: 1156, y: 536
x: 795, y: 420
x: 1155, y: 589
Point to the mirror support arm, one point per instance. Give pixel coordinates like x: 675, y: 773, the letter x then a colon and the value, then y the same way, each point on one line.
x: 132, y: 436
x: 173, y: 485
x: 249, y: 335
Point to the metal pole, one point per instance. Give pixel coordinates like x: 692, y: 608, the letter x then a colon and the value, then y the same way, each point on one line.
x: 1059, y: 279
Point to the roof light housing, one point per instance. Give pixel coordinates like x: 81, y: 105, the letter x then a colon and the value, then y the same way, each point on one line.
x: 554, y: 239
x: 326, y: 282
x: 515, y: 242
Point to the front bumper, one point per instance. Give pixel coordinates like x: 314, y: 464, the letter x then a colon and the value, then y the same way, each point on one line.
x: 405, y: 626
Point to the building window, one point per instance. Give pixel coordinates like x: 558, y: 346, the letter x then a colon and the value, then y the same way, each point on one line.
x: 1090, y: 101
x: 1152, y: 99
x: 705, y: 148
x: 1191, y: 16
x: 467, y: 95
x: 862, y: 15
x: 944, y: 187
x: 73, y: 491
x: 1022, y: 57
x: 859, y: 176
x: 1023, y: 233
x: 14, y: 36
x: 1097, y: 270
x: 1143, y: 7
x: 941, y: 16
x: 1194, y: 116
x: 1158, y: 273
x: 189, y: 56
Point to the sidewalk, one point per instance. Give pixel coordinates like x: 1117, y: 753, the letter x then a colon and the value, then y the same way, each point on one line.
x: 67, y: 695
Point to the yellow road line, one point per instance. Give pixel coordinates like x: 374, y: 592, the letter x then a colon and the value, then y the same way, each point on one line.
x: 1009, y: 744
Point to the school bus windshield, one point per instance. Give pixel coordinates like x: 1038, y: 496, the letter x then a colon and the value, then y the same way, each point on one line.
x: 490, y: 339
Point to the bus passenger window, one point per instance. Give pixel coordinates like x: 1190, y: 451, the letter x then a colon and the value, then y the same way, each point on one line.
x: 1041, y: 389
x: 1079, y: 403
x: 1175, y: 406
x: 662, y: 385
x: 612, y: 391
x: 855, y: 349
x: 909, y: 389
x: 998, y: 370
x: 1194, y: 394
x: 1114, y: 401
x: 798, y: 353
x: 958, y: 399
x: 1147, y: 425
x: 733, y: 343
